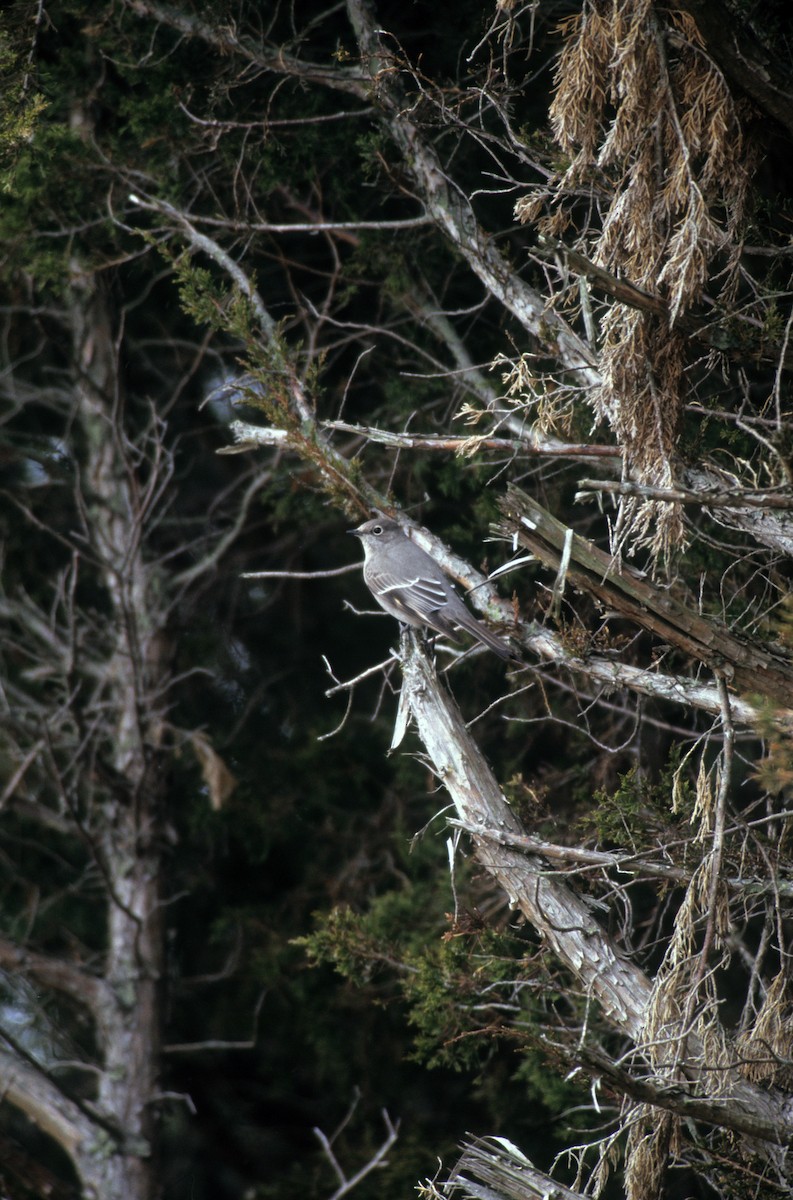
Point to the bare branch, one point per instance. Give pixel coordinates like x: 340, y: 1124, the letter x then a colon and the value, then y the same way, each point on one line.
x: 312, y: 226
x: 220, y: 1043
x: 707, y: 498
x: 221, y: 37
x: 750, y: 667
x: 495, y: 1169
x: 452, y: 211
x: 530, y: 443
x: 44, y: 1104
x: 57, y: 973
x: 378, y: 1159
x: 301, y: 574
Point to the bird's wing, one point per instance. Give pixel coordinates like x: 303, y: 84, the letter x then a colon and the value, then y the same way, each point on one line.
x: 427, y: 601
x: 425, y: 594
x: 420, y: 596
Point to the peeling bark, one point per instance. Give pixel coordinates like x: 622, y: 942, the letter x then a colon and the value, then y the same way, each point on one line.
x: 750, y: 667
x: 563, y: 919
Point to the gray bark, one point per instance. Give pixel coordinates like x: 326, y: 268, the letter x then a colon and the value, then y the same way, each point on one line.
x: 562, y: 918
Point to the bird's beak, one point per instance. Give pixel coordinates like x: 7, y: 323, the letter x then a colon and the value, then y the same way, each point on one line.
x: 354, y: 532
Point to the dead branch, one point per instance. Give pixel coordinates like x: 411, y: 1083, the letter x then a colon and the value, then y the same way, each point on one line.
x: 452, y: 211
x: 707, y: 498
x: 378, y: 1159
x: 53, y: 972
x: 44, y: 1104
x: 748, y: 666
x: 528, y: 444
x: 561, y: 917
x: 495, y: 1169
x: 632, y: 865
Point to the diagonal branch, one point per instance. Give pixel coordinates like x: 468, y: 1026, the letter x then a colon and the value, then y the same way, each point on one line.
x: 452, y: 211
x: 749, y: 666
x: 54, y: 973
x: 444, y: 202
x: 223, y: 39
x: 45, y: 1104
x: 559, y: 914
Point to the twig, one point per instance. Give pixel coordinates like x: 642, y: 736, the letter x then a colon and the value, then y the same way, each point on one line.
x: 313, y: 226
x: 375, y: 670
x: 346, y: 1184
x: 459, y: 445
x: 218, y: 1044
x: 717, y: 849
x: 301, y: 574
x: 705, y: 499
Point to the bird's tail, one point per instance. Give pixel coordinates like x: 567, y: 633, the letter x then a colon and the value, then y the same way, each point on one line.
x: 493, y: 642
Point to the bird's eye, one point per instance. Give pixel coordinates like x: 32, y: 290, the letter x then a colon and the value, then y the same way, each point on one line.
x: 378, y: 529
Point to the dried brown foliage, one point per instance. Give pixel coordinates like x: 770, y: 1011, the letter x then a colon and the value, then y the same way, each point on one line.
x: 655, y: 148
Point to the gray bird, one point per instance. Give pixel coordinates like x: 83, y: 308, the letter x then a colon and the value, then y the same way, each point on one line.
x: 410, y: 585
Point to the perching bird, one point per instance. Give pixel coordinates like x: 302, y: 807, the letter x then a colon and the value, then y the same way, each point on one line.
x: 410, y: 585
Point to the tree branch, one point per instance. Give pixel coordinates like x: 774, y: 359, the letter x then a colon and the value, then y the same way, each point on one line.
x: 45, y: 1105
x: 224, y: 40
x: 54, y: 972
x: 733, y: 1111
x: 495, y: 1169
x: 529, y: 443
x: 560, y: 916
x: 452, y: 211
x: 752, y: 668
x: 710, y: 498
x: 348, y: 1183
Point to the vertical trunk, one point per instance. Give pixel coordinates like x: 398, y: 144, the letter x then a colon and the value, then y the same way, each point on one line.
x: 126, y: 812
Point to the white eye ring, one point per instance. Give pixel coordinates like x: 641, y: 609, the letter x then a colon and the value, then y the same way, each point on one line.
x: 378, y: 529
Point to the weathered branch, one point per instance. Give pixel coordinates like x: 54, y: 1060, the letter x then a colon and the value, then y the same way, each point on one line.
x: 53, y: 972
x: 635, y: 866
x: 560, y: 916
x: 744, y: 1112
x: 750, y: 667
x: 452, y: 211
x: 222, y: 38
x: 529, y: 443
x: 45, y: 1105
x: 709, y: 498
x: 772, y: 529
x: 495, y: 1169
